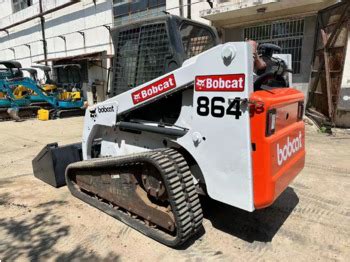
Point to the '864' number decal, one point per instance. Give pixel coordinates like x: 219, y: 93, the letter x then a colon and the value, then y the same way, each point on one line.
x: 217, y: 107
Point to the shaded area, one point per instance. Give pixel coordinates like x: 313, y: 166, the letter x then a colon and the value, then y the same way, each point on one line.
x: 4, y: 198
x: 32, y: 237
x: 35, y: 236
x: 261, y: 225
x: 5, y: 183
x: 79, y: 254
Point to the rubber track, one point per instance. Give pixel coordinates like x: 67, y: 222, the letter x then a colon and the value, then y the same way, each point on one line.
x: 188, y: 187
x: 182, y: 196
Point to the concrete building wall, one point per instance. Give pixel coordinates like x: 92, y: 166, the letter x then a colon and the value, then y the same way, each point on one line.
x: 301, y: 80
x: 84, y: 17
x: 6, y: 8
x: 72, y: 31
x: 233, y: 16
x: 229, y: 13
x: 346, y: 72
x: 343, y: 112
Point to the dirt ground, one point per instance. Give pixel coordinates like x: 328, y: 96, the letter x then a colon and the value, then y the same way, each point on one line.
x: 310, y: 221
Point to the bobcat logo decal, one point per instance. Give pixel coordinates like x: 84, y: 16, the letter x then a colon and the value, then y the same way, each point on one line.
x: 93, y: 113
x: 201, y: 82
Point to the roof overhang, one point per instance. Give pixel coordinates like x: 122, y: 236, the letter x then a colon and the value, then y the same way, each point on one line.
x: 10, y: 64
x: 94, y: 56
x: 235, y: 13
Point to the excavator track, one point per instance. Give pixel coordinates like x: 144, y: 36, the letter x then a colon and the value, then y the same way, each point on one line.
x: 44, y: 105
x: 152, y: 192
x: 23, y: 113
x: 64, y: 113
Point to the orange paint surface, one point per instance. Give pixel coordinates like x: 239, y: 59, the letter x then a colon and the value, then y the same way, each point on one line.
x: 279, y: 158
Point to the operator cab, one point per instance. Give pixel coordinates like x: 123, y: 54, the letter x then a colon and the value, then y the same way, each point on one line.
x: 150, y: 48
x: 10, y: 69
x: 68, y: 77
x: 46, y: 73
x: 33, y: 73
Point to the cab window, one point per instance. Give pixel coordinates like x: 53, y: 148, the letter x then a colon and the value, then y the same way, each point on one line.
x: 196, y: 39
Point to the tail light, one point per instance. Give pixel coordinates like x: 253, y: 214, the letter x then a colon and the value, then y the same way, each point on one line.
x: 271, y: 122
x: 300, y: 110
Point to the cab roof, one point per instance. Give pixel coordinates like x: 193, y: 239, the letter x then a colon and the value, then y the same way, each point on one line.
x: 10, y: 64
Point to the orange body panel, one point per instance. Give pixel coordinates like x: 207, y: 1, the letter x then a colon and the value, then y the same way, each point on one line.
x: 278, y: 158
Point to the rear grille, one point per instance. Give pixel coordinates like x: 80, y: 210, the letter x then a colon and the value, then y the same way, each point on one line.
x: 141, y: 55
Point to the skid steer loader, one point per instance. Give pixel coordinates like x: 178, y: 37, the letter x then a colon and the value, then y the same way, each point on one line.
x: 185, y: 119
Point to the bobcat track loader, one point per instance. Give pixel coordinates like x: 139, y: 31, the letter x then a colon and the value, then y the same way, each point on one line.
x: 186, y: 118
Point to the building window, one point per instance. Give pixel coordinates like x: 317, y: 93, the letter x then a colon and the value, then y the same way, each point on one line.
x: 287, y: 34
x: 18, y: 5
x: 127, y: 11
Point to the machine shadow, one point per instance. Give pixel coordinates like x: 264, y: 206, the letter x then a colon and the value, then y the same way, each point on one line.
x: 4, y: 199
x: 81, y: 254
x: 261, y: 225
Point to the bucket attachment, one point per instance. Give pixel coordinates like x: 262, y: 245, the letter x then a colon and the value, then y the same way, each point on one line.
x: 50, y: 164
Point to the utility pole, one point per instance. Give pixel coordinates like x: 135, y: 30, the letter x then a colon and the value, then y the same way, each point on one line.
x: 189, y: 9
x: 42, y: 22
x: 181, y: 8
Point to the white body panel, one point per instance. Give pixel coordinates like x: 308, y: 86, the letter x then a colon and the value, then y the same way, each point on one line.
x: 221, y: 146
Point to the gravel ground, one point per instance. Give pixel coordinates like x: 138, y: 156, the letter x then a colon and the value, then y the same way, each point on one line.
x: 310, y: 221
